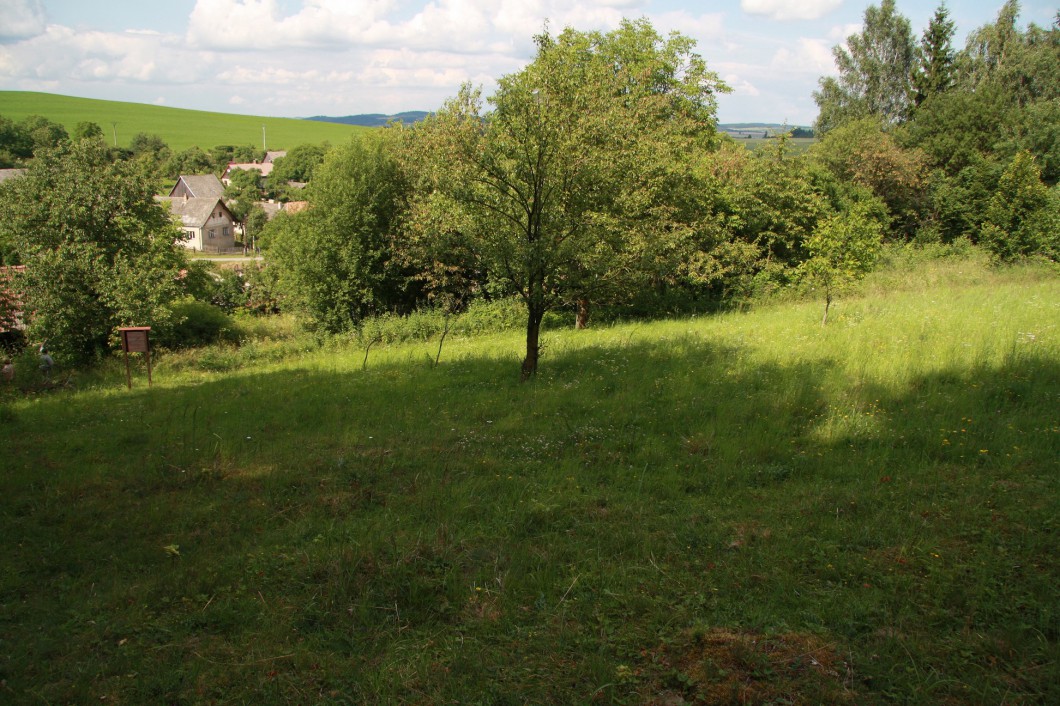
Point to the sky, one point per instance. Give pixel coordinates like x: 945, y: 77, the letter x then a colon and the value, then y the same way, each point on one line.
x: 300, y: 58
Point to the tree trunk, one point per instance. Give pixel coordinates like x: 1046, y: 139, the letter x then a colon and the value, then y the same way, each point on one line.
x: 582, y: 320
x: 827, y: 304
x: 533, y: 336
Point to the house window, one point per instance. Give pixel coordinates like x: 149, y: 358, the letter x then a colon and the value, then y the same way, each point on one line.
x: 225, y: 231
x: 211, y: 234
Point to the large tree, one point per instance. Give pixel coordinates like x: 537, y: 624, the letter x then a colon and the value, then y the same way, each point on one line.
x: 564, y: 188
x: 875, y: 73
x: 337, y: 260
x: 936, y: 65
x: 99, y: 251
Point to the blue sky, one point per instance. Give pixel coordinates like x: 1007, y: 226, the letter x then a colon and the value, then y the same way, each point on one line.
x: 296, y: 58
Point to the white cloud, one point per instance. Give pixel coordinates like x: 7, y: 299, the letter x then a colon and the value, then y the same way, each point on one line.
x: 807, y: 56
x: 463, y: 26
x: 21, y: 19
x: 740, y: 86
x: 841, y: 32
x: 705, y: 26
x: 790, y: 9
x: 338, y: 57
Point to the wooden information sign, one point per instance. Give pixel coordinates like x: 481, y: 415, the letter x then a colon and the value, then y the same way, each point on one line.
x: 134, y: 339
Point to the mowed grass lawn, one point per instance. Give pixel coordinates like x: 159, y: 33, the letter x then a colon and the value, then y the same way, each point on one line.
x: 747, y: 508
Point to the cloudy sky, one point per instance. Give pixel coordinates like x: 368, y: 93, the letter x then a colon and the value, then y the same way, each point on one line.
x: 296, y: 58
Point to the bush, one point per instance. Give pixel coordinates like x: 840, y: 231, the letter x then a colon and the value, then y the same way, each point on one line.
x: 199, y: 324
x: 480, y: 317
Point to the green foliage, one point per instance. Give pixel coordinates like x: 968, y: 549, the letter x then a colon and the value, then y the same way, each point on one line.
x: 197, y: 324
x: 43, y: 133
x: 875, y: 71
x: 243, y: 192
x: 254, y: 223
x: 482, y: 316
x: 15, y: 145
x: 563, y: 189
x: 87, y: 130
x: 1023, y: 215
x: 842, y: 250
x: 862, y: 153
x: 99, y: 251
x: 190, y: 161
x: 957, y: 204
x: 222, y: 155
x: 1004, y: 100
x: 758, y: 210
x: 152, y: 150
x: 226, y: 290
x: 337, y: 261
x: 957, y: 129
x: 935, y: 70
x: 298, y: 164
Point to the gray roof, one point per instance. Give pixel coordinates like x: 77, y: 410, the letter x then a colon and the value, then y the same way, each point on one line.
x: 201, y: 185
x: 271, y: 208
x: 193, y: 213
x: 6, y: 174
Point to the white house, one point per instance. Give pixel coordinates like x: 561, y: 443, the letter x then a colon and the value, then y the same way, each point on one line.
x: 206, y: 221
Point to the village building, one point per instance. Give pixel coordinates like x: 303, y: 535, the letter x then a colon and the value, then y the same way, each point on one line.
x: 198, y: 186
x: 265, y: 166
x: 6, y: 174
x: 207, y: 223
x: 12, y: 324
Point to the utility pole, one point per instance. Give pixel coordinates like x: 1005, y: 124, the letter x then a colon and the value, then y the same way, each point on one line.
x: 114, y: 128
x: 263, y: 147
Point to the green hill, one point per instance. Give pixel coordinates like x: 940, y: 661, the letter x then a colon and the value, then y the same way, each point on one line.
x: 179, y: 128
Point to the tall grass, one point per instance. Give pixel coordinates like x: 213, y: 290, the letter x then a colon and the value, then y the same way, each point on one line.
x: 741, y: 508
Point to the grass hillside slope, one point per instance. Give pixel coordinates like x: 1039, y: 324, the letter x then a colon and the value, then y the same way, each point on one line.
x: 179, y: 128
x: 748, y: 508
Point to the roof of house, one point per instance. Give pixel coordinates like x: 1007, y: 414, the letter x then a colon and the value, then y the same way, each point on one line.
x: 6, y: 174
x: 271, y: 208
x: 10, y: 306
x: 193, y: 212
x: 270, y: 157
x: 201, y: 185
x: 264, y: 167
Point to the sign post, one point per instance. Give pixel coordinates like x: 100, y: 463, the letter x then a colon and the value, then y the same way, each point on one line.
x: 134, y: 339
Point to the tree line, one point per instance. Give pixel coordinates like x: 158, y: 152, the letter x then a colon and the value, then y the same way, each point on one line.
x: 596, y: 177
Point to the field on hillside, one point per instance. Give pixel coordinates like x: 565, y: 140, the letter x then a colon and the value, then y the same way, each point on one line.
x: 745, y: 508
x: 798, y: 145
x: 179, y: 128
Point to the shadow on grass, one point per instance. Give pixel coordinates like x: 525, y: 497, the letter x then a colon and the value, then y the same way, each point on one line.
x: 418, y: 533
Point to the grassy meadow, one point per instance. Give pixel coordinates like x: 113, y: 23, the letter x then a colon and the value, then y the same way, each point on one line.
x: 179, y: 128
x: 741, y: 508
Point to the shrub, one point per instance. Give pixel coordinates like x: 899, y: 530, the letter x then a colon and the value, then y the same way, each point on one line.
x: 199, y: 324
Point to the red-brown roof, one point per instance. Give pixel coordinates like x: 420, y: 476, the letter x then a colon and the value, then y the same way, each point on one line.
x: 10, y: 305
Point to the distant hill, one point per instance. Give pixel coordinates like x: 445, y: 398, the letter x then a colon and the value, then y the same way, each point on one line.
x: 764, y: 131
x: 179, y: 128
x: 415, y: 116
x: 374, y: 119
